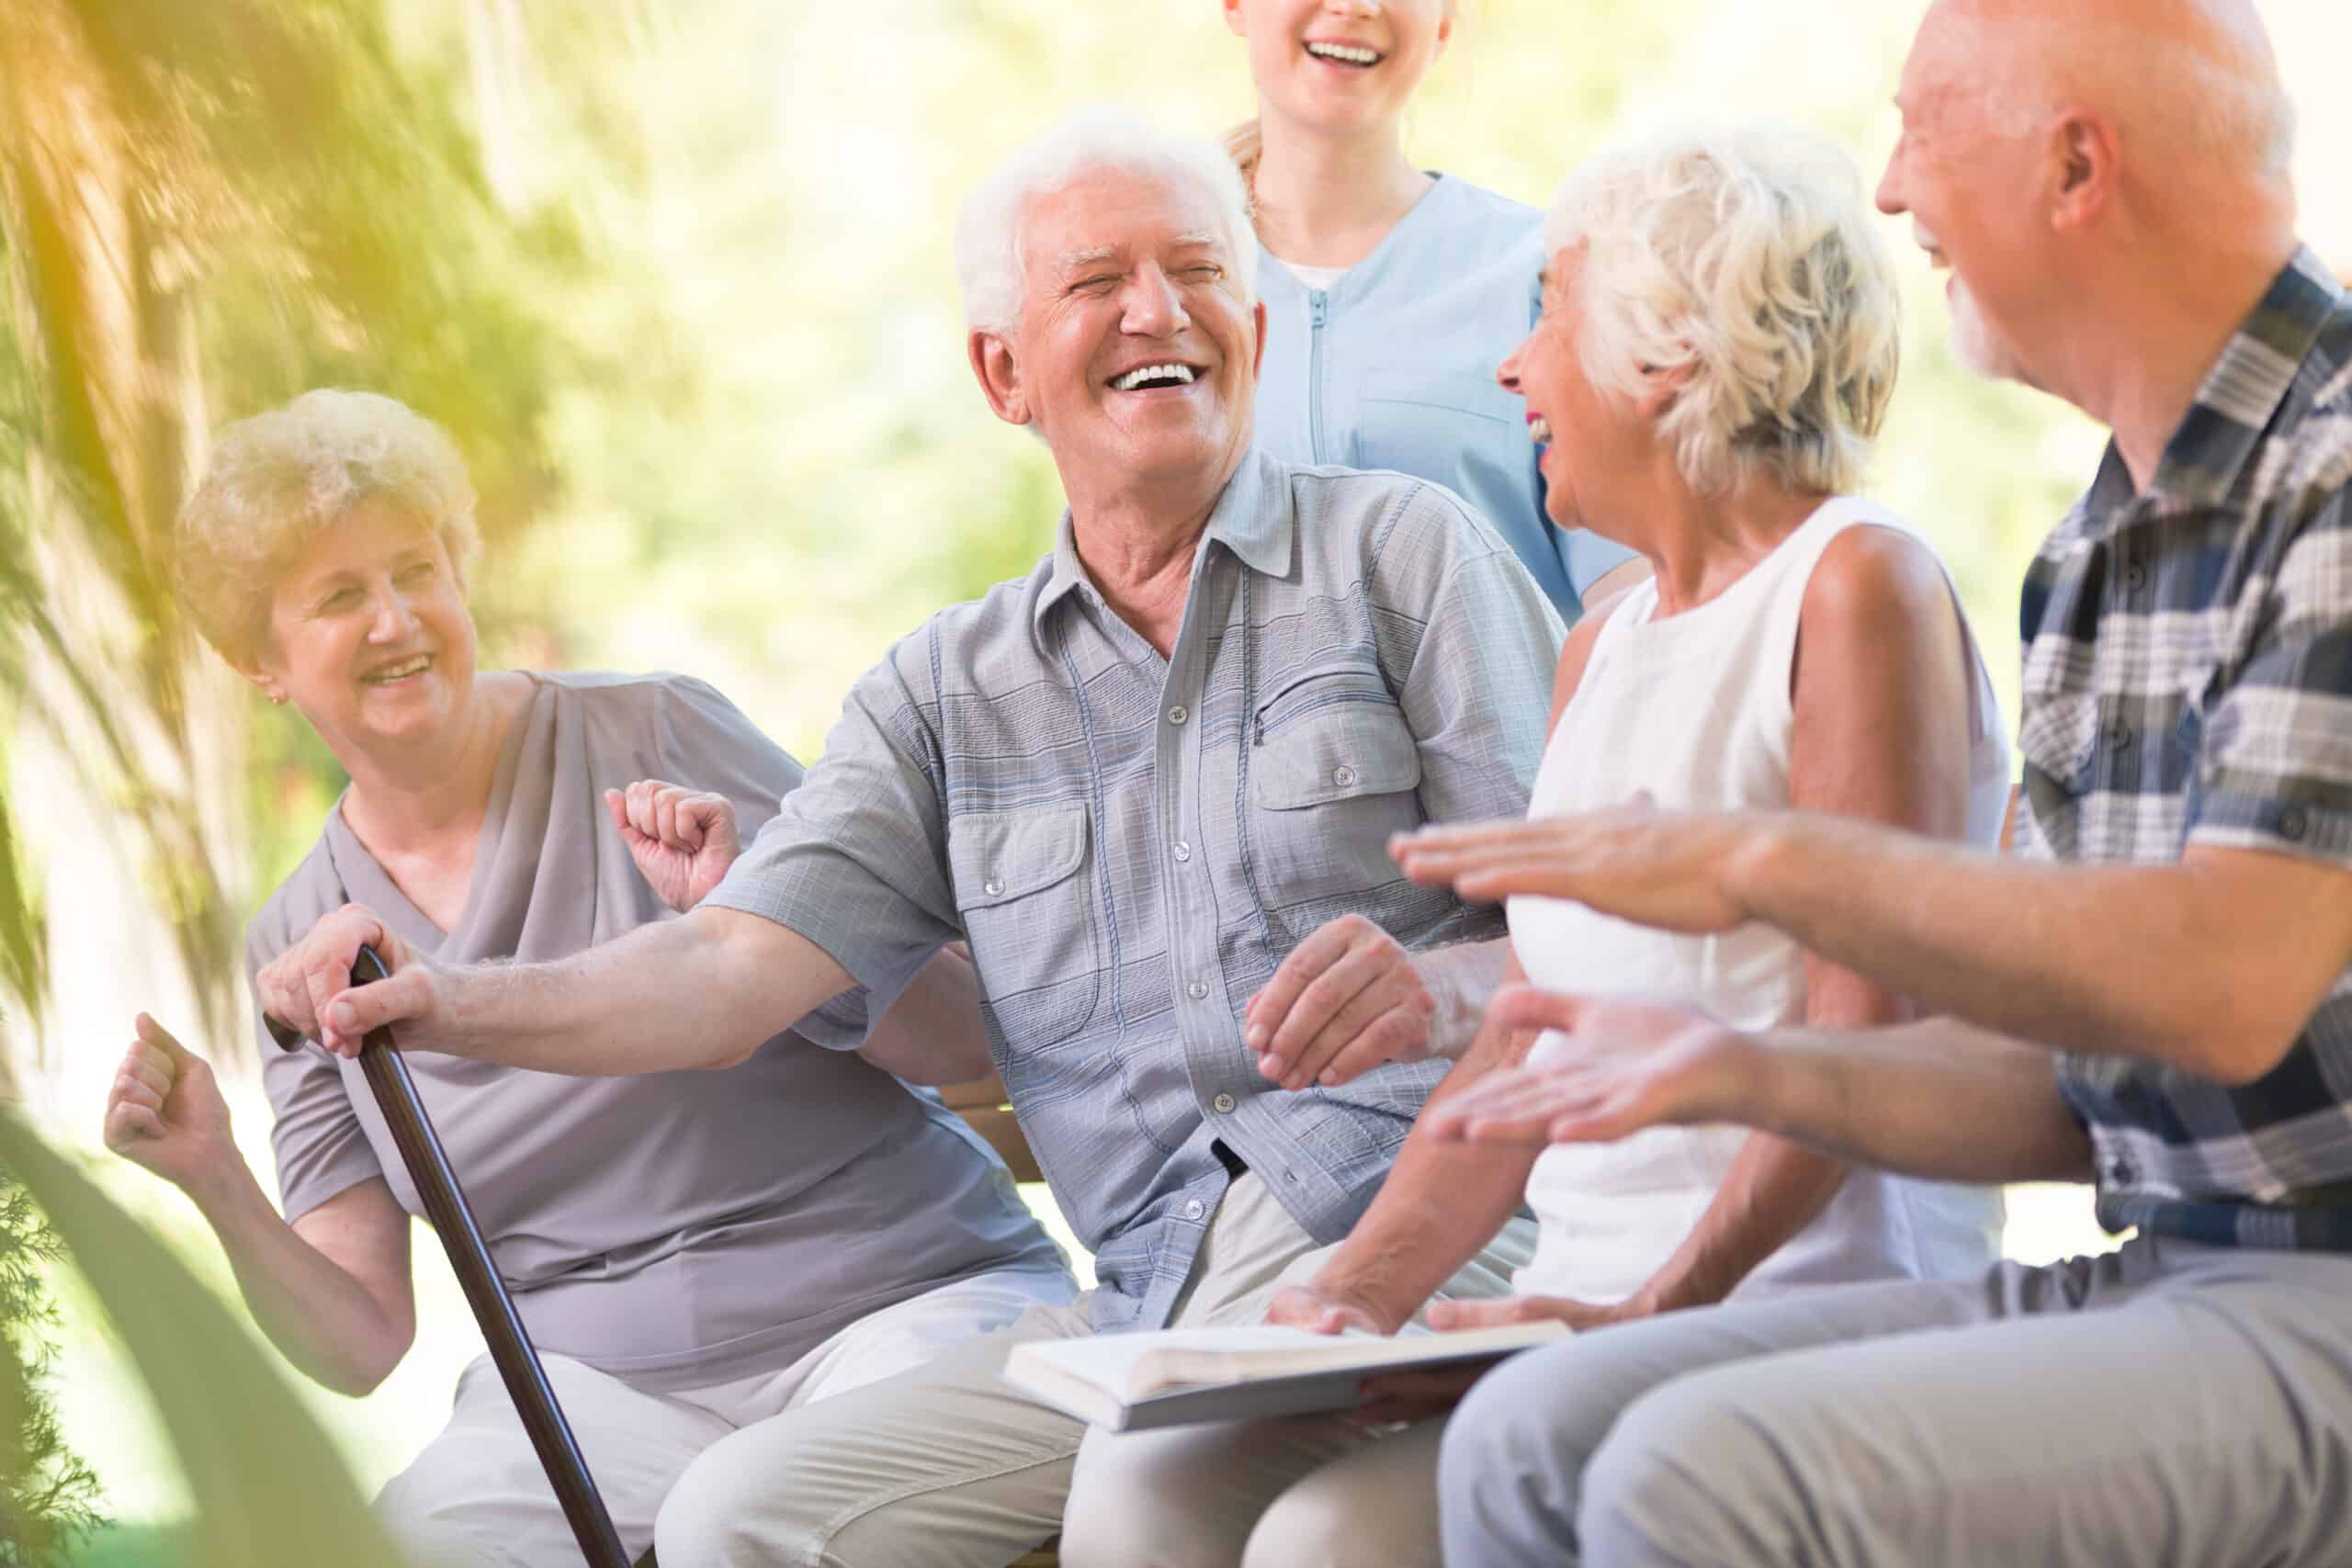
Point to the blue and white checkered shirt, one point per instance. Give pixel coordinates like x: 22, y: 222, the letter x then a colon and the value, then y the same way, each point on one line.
x: 1131, y: 844
x: 2188, y: 681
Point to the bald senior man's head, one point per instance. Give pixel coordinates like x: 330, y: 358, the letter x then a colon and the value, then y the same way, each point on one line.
x: 2059, y: 157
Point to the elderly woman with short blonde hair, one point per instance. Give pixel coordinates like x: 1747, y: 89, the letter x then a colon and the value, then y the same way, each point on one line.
x: 1717, y: 347
x: 694, y: 1252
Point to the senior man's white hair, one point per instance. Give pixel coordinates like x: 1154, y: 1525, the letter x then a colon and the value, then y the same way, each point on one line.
x: 1746, y: 257
x: 987, y: 228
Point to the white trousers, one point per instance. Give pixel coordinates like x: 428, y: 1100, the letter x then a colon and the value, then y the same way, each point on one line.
x: 945, y: 1466
x: 476, y: 1497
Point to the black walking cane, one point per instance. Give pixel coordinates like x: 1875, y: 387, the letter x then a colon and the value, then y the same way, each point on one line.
x: 453, y: 1220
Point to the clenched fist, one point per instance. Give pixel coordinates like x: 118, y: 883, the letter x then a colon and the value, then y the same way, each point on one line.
x: 165, y: 1112
x: 683, y: 839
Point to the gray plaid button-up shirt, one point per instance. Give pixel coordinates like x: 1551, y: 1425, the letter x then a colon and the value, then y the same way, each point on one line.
x: 1131, y: 844
x: 2188, y: 681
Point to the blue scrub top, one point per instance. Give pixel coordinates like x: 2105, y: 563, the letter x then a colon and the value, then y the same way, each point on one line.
x: 1393, y: 367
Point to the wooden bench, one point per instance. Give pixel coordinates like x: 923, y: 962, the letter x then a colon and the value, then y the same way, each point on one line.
x: 981, y: 1104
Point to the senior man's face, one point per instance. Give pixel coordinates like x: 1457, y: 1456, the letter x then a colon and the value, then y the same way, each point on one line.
x: 1968, y: 186
x: 1136, y: 352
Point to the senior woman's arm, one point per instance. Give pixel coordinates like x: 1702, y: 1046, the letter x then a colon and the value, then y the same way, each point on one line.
x: 331, y: 1289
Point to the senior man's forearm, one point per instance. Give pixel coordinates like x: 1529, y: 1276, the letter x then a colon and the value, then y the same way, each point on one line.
x: 1939, y: 1099
x: 701, y: 991
x: 2185, y: 964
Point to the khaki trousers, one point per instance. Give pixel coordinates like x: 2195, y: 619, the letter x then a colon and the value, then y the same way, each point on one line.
x: 943, y: 1466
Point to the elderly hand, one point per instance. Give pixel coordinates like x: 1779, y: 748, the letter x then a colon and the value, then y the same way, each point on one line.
x: 1418, y: 1397
x: 1345, y: 1000
x: 1673, y: 870
x: 164, y: 1113
x: 682, y: 839
x: 1625, y: 1065
x: 308, y: 987
x: 1322, y: 1310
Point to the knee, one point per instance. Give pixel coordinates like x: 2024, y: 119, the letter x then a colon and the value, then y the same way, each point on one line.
x: 730, y: 1507
x: 1119, y: 1521
x: 1685, y: 1477
x: 1319, y: 1527
x: 441, y: 1511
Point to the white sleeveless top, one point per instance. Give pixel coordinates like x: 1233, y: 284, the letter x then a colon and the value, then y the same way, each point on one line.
x: 1695, y: 709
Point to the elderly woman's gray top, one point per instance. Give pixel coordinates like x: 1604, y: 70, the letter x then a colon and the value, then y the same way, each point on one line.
x: 1131, y: 844
x: 678, y: 1229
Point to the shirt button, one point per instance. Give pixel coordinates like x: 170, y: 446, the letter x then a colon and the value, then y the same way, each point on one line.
x: 1343, y: 776
x: 2293, y: 822
x: 1177, y: 715
x: 2135, y: 577
x: 1196, y: 990
x: 2120, y: 1172
x: 993, y: 888
x: 1221, y: 1105
x: 2118, y: 735
x: 1195, y: 1209
x: 1184, y: 849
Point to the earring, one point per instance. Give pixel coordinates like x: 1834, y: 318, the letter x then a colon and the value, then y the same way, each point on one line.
x: 278, y: 699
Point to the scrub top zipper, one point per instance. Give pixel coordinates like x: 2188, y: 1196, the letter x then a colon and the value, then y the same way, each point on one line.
x: 1317, y: 299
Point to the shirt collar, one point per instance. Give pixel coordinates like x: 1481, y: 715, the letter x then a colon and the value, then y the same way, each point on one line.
x: 1252, y: 518
x: 2233, y: 407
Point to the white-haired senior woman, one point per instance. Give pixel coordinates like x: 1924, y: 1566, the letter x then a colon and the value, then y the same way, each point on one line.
x: 1717, y: 347
x: 696, y: 1253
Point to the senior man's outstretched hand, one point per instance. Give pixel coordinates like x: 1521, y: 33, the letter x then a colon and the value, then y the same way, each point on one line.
x: 308, y: 987
x: 1623, y: 1066
x: 1674, y: 870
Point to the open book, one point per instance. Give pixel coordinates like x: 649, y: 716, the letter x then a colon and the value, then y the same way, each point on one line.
x: 1126, y: 1381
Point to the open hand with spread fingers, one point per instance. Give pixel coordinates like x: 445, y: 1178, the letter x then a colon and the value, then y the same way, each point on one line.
x: 1672, y: 870
x: 165, y: 1112
x: 1344, y: 1001
x: 308, y: 987
x: 1624, y: 1066
x: 683, y: 839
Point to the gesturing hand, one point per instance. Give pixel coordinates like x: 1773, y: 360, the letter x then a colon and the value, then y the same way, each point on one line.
x: 308, y: 987
x: 1345, y: 1000
x: 683, y: 839
x: 1668, y: 869
x: 164, y: 1112
x: 1624, y: 1065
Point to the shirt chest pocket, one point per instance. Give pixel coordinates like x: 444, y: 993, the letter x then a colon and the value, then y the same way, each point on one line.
x: 1333, y: 769
x: 1022, y: 892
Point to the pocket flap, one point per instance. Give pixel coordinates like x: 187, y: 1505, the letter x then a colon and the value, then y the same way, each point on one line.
x: 998, y: 856
x: 1336, y: 753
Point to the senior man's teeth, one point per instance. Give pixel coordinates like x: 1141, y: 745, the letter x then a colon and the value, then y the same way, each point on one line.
x: 1347, y: 52
x: 1174, y: 375
x: 1539, y: 430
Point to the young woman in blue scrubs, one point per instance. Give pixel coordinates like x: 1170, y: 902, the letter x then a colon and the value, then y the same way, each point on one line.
x: 1391, y: 294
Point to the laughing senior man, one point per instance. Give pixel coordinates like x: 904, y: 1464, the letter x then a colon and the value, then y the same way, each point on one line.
x: 2157, y: 999
x: 1133, y: 782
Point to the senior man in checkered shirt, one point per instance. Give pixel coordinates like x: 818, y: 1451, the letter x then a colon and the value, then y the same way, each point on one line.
x: 2154, y: 995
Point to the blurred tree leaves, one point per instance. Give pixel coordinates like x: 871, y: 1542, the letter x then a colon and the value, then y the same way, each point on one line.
x: 204, y: 210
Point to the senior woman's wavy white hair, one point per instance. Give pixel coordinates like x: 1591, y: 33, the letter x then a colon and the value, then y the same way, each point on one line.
x: 277, y: 480
x: 1749, y: 257
x: 987, y: 227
